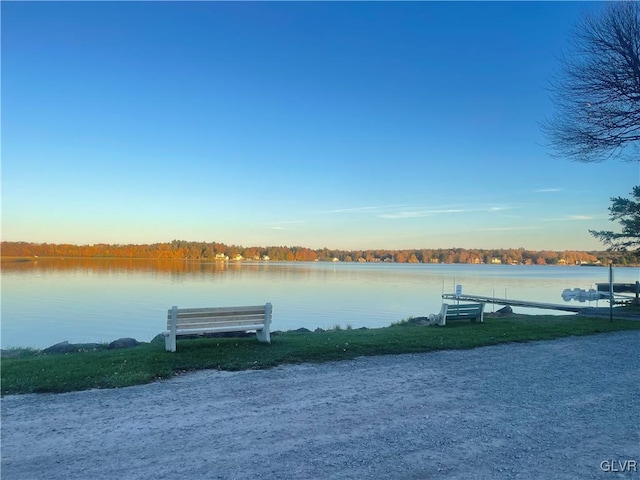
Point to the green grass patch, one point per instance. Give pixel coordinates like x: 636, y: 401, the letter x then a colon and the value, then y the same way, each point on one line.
x: 34, y: 372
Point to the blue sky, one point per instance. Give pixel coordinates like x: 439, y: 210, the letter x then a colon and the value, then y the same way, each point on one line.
x: 340, y: 125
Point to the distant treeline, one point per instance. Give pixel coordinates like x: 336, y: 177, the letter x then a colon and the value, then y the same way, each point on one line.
x: 179, y: 249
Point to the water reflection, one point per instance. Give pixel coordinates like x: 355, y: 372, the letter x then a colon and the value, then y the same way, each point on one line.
x: 87, y: 300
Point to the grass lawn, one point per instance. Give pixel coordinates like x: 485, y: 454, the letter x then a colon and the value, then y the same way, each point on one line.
x: 34, y: 372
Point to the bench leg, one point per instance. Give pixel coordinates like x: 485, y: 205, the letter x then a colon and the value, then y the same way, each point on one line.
x: 170, y: 343
x: 263, y: 335
x: 442, y: 316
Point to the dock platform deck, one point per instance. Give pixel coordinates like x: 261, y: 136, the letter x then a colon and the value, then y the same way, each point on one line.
x: 512, y: 302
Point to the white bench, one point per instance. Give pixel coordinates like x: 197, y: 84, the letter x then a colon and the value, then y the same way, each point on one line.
x: 195, y: 321
x: 462, y: 311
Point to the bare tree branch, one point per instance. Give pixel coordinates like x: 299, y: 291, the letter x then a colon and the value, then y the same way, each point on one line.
x: 598, y: 93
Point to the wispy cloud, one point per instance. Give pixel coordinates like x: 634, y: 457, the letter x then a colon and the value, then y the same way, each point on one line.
x: 547, y: 190
x: 369, y: 209
x: 407, y: 211
x: 282, y: 225
x: 566, y: 218
x: 421, y: 213
x: 509, y: 229
x: 427, y: 212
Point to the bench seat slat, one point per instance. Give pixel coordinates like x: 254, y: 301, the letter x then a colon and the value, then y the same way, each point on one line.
x: 213, y: 321
x: 465, y: 308
x: 237, y: 315
x: 198, y: 331
x: 243, y: 323
x: 221, y: 310
x: 222, y: 328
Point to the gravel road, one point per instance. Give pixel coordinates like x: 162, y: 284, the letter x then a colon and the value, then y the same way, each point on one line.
x: 542, y: 410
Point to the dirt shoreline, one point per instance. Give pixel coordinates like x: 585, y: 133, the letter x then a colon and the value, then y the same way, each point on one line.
x: 551, y: 409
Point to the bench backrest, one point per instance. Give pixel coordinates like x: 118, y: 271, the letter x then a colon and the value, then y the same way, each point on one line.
x: 200, y: 318
x: 464, y: 309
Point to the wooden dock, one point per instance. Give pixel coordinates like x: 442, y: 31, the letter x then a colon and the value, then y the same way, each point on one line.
x: 512, y: 302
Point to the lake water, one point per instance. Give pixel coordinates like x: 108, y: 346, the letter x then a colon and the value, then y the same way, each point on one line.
x: 93, y: 300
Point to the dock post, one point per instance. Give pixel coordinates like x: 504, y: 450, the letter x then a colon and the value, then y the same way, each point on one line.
x: 611, y: 291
